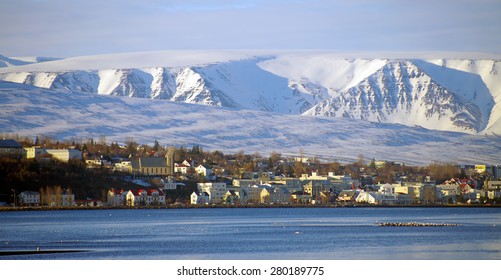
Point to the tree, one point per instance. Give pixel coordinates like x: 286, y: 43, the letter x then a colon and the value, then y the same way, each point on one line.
x: 299, y: 168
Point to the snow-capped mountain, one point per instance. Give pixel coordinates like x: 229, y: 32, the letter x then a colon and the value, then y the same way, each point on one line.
x: 449, y: 94
x: 29, y: 111
x: 400, y: 92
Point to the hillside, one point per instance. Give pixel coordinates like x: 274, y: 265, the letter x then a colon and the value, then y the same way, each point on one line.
x: 31, y: 111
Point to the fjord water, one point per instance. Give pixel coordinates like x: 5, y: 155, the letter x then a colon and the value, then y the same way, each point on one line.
x: 253, y: 233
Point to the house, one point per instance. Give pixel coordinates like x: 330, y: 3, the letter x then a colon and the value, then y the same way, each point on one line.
x: 170, y: 184
x: 144, y: 197
x: 316, y: 187
x: 34, y: 152
x: 378, y: 198
x: 129, y: 198
x: 348, y: 195
x: 253, y: 194
x: 200, y: 198
x: 29, y: 198
x: 449, y: 192
x: 216, y: 191
x: 387, y: 188
x: 301, y: 197
x: 204, y: 170
x: 368, y: 197
x: 115, y: 198
x: 493, y: 189
x: 10, y: 148
x: 182, y: 168
x: 231, y: 197
x: 281, y: 195
x: 243, y: 182
x: 189, y: 163
x: 123, y: 166
x: 265, y: 195
x: 155, y: 197
x: 98, y: 162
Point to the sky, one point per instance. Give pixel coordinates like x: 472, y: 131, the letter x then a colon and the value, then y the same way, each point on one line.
x: 66, y: 28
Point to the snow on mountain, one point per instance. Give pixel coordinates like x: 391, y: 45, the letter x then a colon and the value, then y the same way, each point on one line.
x: 400, y: 92
x: 452, y: 94
x: 18, y: 61
x: 233, y: 84
x: 7, y: 61
x: 476, y: 80
x: 30, y: 111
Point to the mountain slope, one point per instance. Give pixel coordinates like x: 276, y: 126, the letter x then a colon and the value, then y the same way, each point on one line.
x: 400, y: 92
x: 30, y: 111
x: 451, y: 94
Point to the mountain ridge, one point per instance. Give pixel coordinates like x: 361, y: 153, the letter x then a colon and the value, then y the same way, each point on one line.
x: 462, y: 94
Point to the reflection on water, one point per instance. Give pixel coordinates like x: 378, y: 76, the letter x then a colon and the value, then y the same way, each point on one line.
x: 281, y: 233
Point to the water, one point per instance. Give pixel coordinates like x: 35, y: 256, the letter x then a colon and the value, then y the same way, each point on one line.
x: 276, y: 233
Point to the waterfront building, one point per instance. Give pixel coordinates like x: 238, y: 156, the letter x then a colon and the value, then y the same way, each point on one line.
x: 199, y: 198
x: 216, y: 191
x: 29, y: 198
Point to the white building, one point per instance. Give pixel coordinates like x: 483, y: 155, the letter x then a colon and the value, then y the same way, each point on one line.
x: 216, y: 191
x: 33, y: 152
x: 115, y: 198
x: 29, y: 198
x: 65, y: 155
x: 204, y: 170
x: 377, y: 198
x: 199, y: 198
x: 123, y: 166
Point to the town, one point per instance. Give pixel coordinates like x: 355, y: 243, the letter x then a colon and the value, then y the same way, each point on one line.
x: 45, y: 173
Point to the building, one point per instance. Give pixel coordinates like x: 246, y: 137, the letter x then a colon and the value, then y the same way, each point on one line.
x: 378, y: 198
x: 199, y: 198
x: 10, y: 148
x: 34, y: 152
x: 64, y: 155
x: 29, y: 198
x: 449, y: 192
x: 115, y: 198
x: 216, y: 191
x: 152, y: 166
x: 348, y: 195
x: 300, y: 197
x: 123, y: 166
x: 231, y: 197
x: 493, y: 189
x: 182, y: 168
x: 204, y: 170
x: 316, y: 187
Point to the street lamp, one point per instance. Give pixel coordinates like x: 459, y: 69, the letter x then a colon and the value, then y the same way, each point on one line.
x: 14, y: 191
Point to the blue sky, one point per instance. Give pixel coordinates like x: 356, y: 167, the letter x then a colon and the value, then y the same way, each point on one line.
x: 64, y: 28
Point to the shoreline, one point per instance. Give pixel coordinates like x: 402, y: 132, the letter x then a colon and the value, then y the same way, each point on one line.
x: 189, y: 206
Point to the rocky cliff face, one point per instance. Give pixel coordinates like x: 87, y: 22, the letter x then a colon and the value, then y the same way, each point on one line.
x: 400, y: 92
